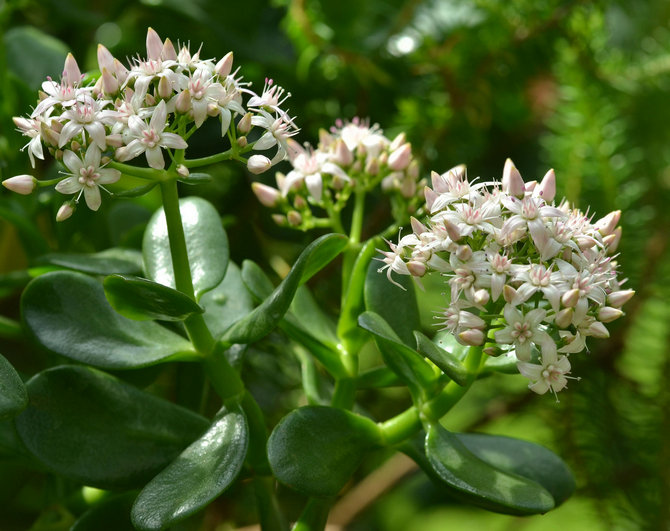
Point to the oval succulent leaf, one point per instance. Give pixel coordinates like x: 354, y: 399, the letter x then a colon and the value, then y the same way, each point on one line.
x: 142, y: 300
x: 115, y: 260
x: 110, y: 513
x: 95, y: 429
x: 227, y: 303
x: 68, y: 313
x: 201, y: 472
x: 206, y: 246
x: 316, y: 449
x: 447, y: 362
x: 13, y: 395
x: 476, y: 481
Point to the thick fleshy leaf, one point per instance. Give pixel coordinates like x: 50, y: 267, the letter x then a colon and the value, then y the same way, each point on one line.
x: 478, y: 482
x: 227, y: 303
x: 110, y: 514
x: 95, y: 429
x: 13, y: 395
x: 256, y: 281
x: 137, y: 191
x: 404, y: 361
x: 311, y: 318
x: 265, y: 317
x: 115, y: 260
x: 203, y: 471
x: 196, y: 178
x: 525, y: 458
x: 446, y: 361
x: 47, y: 53
x: 206, y: 245
x: 143, y: 300
x: 396, y: 305
x: 316, y: 449
x: 323, y: 254
x: 69, y: 314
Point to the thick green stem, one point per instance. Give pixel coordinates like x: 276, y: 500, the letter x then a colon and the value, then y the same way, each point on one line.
x: 314, y: 516
x: 269, y: 513
x: 407, y: 423
x: 344, y: 394
x: 143, y: 173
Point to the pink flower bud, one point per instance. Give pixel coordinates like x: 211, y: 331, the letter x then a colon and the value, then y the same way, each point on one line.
x: 183, y: 103
x: 430, y: 198
x: 258, y: 164
x: 464, y: 253
x: 597, y: 329
x: 372, y: 166
x: 225, y: 65
x: 267, y: 195
x: 212, y: 109
x: 494, y: 352
x: 416, y: 269
x: 279, y: 219
x: 548, y: 186
x: 398, y: 141
x: 400, y: 158
x: 452, y: 229
x: 563, y: 318
x: 325, y: 139
x: 64, y: 212
x: 341, y: 153
x: 110, y: 85
x: 150, y: 100
x: 71, y: 72
x: 115, y: 140
x: 168, y: 52
x: 105, y: 59
x: 512, y: 183
x: 21, y: 184
x: 183, y: 170
x: 164, y: 87
x: 509, y: 294
x: 245, y: 125
x: 482, y: 297
x: 242, y: 141
x: 417, y: 226
x: 570, y: 298
x: 121, y: 71
x: 294, y: 218
x: 607, y: 224
x: 612, y: 240
x: 438, y: 182
x: 154, y: 45
x: 472, y: 337
x: 618, y: 298
x: 607, y: 314
x: 299, y: 202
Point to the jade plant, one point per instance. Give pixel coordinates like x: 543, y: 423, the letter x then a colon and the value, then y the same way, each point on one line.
x: 527, y: 279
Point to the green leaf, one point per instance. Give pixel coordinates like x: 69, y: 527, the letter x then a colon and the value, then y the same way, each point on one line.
x: 143, y: 300
x: 478, y: 482
x: 525, y: 458
x: 137, y: 191
x: 108, y: 262
x: 13, y: 395
x: 265, y: 317
x: 310, y: 317
x: 446, y: 361
x: 396, y: 305
x: 206, y: 244
x: 404, y: 361
x: 47, y: 55
x: 203, y: 471
x: 323, y: 254
x: 316, y: 449
x: 196, y: 178
x: 68, y: 313
x: 110, y: 514
x: 92, y: 428
x: 227, y: 303
x: 31, y: 239
x: 256, y: 281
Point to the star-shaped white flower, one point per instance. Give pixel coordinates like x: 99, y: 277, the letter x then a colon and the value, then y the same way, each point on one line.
x: 549, y: 375
x: 524, y: 330
x: 87, y: 176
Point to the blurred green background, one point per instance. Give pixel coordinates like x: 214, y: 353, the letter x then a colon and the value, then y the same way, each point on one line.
x: 580, y: 86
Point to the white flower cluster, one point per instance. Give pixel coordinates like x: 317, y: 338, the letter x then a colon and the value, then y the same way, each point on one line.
x: 521, y: 270
x: 155, y: 104
x: 353, y: 156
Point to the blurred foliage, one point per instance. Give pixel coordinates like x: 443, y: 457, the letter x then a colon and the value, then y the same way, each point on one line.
x: 580, y: 86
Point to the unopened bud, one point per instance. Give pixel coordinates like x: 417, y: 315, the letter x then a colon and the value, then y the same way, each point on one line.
x: 607, y: 224
x: 452, y: 229
x: 213, y: 109
x: 164, y: 87
x: 242, y: 141
x: 570, y: 298
x: 258, y: 164
x: 64, y: 212
x: 299, y: 202
x: 21, y: 184
x: 417, y: 226
x: 618, y: 298
x: 183, y: 170
x: 416, y: 269
x: 154, y: 44
x: 342, y: 155
x: 168, y: 53
x: 585, y: 242
x: 494, y: 352
x: 267, y: 195
x: 563, y: 318
x: 115, y: 140
x: 612, y: 240
x: 183, y: 103
x: 398, y: 141
x: 607, y: 314
x: 512, y: 182
x: 472, y: 337
x: 548, y: 186
x: 325, y: 139
x: 413, y: 169
x: 509, y: 294
x: 400, y: 158
x: 71, y: 72
x: 294, y: 218
x: 464, y: 253
x: 245, y: 125
x: 372, y: 166
x: 597, y: 329
x: 482, y: 296
x: 225, y: 65
x: 431, y: 197
x: 279, y: 219
x: 109, y: 84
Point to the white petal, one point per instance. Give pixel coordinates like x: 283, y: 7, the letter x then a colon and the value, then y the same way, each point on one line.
x: 159, y: 117
x: 172, y: 140
x: 155, y: 158
x: 69, y: 185
x: 108, y: 176
x: 92, y: 197
x: 314, y: 184
x: 540, y: 387
x: 522, y: 350
x: 69, y: 130
x: 97, y: 132
x: 72, y: 161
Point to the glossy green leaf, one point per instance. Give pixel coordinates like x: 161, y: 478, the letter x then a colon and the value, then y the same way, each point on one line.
x: 143, y: 300
x: 446, y: 361
x: 265, y: 317
x: 227, y: 303
x: 68, y: 313
x: 32, y: 241
x: 137, y: 191
x: 478, y: 482
x: 506, y: 363
x: 323, y: 254
x: 525, y: 458
x: 115, y: 260
x: 13, y: 395
x: 396, y: 305
x: 95, y: 429
x: 256, y: 281
x: 203, y: 471
x: 309, y: 315
x: 206, y: 244
x: 46, y: 52
x: 316, y: 449
x: 404, y: 361
x: 196, y: 178
x: 109, y: 514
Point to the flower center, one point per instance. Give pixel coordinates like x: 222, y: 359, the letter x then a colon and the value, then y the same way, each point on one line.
x: 521, y: 332
x: 150, y: 138
x: 88, y: 175
x: 529, y: 209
